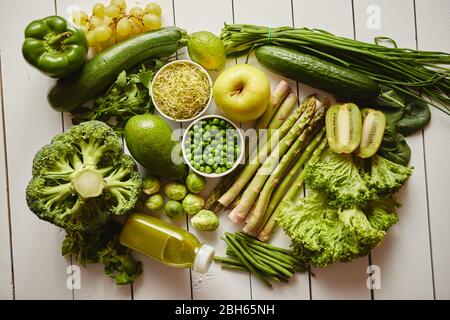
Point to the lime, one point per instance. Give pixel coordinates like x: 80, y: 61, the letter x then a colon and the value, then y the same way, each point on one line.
x: 207, y: 49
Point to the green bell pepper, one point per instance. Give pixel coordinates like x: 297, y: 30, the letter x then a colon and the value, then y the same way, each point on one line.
x: 54, y: 47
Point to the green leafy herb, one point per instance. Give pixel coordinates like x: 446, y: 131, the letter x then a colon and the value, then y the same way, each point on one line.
x: 103, y: 246
x: 394, y: 146
x: 128, y: 96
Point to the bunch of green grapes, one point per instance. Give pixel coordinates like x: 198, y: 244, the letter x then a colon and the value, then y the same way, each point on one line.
x: 111, y: 24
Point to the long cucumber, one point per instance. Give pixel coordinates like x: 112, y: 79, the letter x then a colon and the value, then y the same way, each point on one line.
x: 98, y: 73
x: 318, y: 73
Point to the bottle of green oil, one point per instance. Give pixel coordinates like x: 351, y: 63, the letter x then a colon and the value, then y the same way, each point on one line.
x: 166, y: 243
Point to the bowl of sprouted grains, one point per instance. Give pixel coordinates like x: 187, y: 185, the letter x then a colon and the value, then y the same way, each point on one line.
x: 181, y: 90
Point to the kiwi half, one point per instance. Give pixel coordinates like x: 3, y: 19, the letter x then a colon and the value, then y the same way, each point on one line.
x: 343, y: 123
x: 374, y: 124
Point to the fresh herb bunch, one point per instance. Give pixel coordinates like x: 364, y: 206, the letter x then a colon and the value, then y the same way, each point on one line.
x: 409, y: 71
x: 103, y: 246
x: 129, y: 95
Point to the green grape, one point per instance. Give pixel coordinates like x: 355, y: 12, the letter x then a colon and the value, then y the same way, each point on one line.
x: 136, y: 11
x: 80, y: 18
x: 153, y: 8
x: 151, y: 21
x: 98, y: 10
x: 122, y: 4
x: 96, y: 21
x: 112, y: 11
x: 123, y: 27
x: 91, y: 39
x: 102, y: 33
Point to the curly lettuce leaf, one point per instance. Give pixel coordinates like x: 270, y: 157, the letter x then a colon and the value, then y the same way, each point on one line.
x: 386, y: 177
x: 382, y: 213
x: 339, y: 177
x: 322, y: 234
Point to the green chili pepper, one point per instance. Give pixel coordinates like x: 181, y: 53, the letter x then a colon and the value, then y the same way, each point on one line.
x: 54, y: 47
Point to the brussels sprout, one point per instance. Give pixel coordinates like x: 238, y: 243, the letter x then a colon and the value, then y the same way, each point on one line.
x: 195, y: 183
x: 205, y: 220
x: 151, y: 185
x: 155, y: 202
x: 173, y: 209
x: 192, y: 204
x: 175, y: 190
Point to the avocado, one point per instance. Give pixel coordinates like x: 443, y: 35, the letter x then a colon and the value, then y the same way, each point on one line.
x: 149, y: 140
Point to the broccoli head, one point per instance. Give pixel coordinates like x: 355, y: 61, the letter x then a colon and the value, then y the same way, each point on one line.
x: 387, y: 177
x: 339, y: 177
x: 322, y: 234
x: 82, y: 178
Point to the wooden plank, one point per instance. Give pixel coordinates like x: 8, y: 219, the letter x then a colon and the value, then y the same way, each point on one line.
x: 40, y: 270
x: 94, y: 284
x: 274, y: 14
x: 433, y: 28
x: 6, y: 277
x: 338, y: 281
x: 159, y: 281
x: 405, y: 252
x: 217, y: 283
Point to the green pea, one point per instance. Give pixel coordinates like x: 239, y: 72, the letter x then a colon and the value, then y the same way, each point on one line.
x: 202, y: 169
x: 208, y: 169
x: 218, y: 170
x: 197, y: 166
x: 197, y: 136
x: 214, y: 127
x: 216, y: 121
x: 206, y: 136
x: 229, y: 165
x: 237, y: 150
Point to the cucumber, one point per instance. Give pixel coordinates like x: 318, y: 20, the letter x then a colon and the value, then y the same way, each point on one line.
x: 318, y: 73
x: 98, y: 73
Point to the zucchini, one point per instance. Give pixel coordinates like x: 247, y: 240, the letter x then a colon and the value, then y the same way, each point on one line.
x: 98, y: 73
x: 318, y: 73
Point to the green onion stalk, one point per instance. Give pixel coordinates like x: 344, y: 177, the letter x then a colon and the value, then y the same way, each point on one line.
x: 414, y: 72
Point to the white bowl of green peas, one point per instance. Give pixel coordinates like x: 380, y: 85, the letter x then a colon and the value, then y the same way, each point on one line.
x: 212, y: 146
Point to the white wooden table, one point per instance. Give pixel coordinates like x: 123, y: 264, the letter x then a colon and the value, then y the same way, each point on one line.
x: 414, y: 259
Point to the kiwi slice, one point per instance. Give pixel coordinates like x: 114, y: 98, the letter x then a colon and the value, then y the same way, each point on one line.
x: 343, y: 124
x: 374, y: 123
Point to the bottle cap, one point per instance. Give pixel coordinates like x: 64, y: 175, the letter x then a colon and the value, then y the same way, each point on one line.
x: 203, y: 259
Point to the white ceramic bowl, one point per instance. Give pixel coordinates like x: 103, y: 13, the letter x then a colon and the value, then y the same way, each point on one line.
x: 213, y: 174
x: 210, y: 87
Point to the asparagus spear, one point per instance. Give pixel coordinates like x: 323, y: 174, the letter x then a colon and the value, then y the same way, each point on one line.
x: 292, y: 193
x: 278, y: 95
x: 283, y: 111
x: 249, y: 196
x: 259, y: 218
x: 287, y: 181
x: 259, y: 156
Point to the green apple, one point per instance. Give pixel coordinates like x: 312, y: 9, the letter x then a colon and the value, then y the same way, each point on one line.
x: 242, y: 92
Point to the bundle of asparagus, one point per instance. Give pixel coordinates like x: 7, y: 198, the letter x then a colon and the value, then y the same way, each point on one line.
x: 255, y: 193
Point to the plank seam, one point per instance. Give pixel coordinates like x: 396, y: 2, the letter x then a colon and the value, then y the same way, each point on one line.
x: 369, y: 256
x: 8, y: 197
x: 181, y: 127
x: 425, y: 170
x: 304, y: 188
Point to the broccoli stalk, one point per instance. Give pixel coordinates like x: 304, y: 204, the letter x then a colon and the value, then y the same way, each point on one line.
x: 88, y: 183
